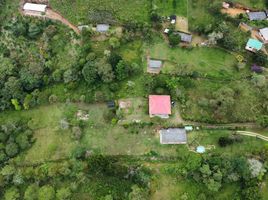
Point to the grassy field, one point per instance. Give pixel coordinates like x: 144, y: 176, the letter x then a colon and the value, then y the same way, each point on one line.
x: 123, y: 10
x: 207, y: 61
x: 167, y: 7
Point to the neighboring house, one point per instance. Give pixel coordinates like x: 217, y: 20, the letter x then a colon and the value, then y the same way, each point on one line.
x: 264, y: 34
x: 166, y: 30
x: 159, y: 106
x: 154, y: 66
x: 244, y: 27
x: 253, y: 45
x: 185, y: 37
x: 173, y: 136
x: 102, y: 28
x: 261, y: 15
x: 35, y: 7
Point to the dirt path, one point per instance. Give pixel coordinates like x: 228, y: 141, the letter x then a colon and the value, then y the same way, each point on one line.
x: 252, y: 134
x: 51, y: 14
x: 56, y: 16
x: 233, y: 11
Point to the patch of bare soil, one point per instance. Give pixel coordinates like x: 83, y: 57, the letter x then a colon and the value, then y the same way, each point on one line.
x: 233, y: 11
x: 182, y: 24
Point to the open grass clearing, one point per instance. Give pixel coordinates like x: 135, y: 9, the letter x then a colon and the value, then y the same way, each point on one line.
x: 247, y: 104
x: 207, y: 61
x: 170, y: 7
x: 210, y: 138
x: 123, y: 10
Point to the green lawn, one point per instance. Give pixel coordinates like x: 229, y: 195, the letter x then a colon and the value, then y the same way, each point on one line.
x: 207, y: 61
x: 78, y: 11
x: 167, y: 7
x: 209, y: 138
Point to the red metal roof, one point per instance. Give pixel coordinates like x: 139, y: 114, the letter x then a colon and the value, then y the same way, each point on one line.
x: 159, y: 105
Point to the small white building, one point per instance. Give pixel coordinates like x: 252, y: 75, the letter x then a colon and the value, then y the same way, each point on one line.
x: 35, y: 7
x: 166, y: 31
x: 173, y: 21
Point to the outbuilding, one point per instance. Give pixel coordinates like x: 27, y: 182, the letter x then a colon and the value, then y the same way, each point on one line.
x: 154, y: 66
x: 173, y: 136
x: 102, y: 28
x: 35, y: 7
x: 264, y: 34
x: 185, y: 37
x: 261, y: 15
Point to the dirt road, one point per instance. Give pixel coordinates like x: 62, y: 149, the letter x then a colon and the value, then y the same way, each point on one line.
x: 51, y: 14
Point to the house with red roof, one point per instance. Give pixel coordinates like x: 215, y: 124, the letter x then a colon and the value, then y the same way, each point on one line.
x: 159, y: 106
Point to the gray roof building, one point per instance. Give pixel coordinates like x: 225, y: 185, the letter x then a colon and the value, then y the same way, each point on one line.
x: 173, y: 136
x: 185, y: 37
x: 155, y: 64
x: 257, y: 15
x: 102, y: 28
x: 264, y: 34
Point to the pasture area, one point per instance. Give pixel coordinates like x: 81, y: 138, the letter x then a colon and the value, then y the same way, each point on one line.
x: 123, y: 10
x: 99, y: 136
x: 170, y: 7
x: 207, y: 61
x: 247, y: 105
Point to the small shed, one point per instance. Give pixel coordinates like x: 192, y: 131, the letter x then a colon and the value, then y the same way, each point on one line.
x: 102, y: 28
x: 35, y: 7
x: 111, y: 104
x: 261, y: 15
x: 264, y: 34
x: 244, y: 27
x: 253, y: 45
x: 200, y: 149
x: 189, y: 128
x: 173, y: 136
x: 173, y: 19
x: 185, y: 37
x: 154, y: 66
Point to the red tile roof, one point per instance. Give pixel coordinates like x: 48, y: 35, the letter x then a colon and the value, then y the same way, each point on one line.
x: 159, y: 105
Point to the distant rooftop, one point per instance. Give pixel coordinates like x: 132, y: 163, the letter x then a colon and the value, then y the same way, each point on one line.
x: 35, y: 7
x: 264, y: 33
x: 257, y: 15
x: 102, y: 28
x: 185, y: 37
x: 173, y: 136
x: 155, y: 63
